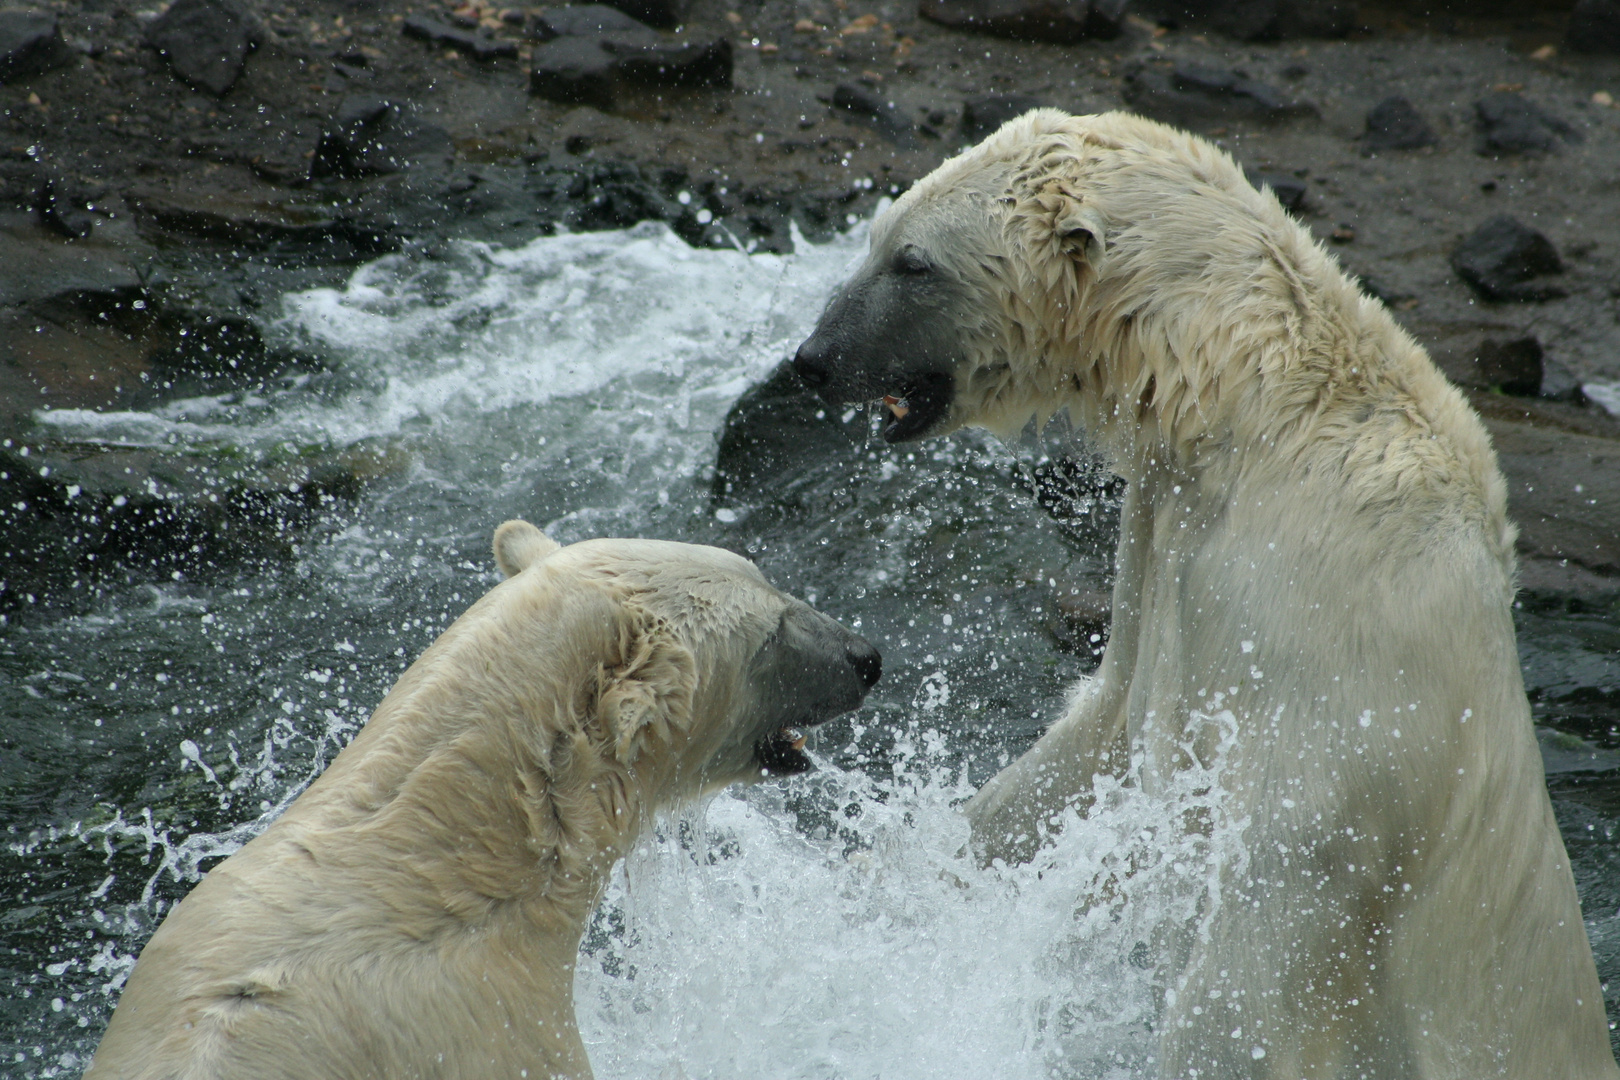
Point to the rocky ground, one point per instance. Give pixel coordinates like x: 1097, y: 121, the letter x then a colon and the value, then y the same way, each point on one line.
x: 167, y: 173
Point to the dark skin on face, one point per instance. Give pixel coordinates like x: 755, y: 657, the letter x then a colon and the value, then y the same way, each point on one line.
x: 809, y: 671
x: 888, y: 334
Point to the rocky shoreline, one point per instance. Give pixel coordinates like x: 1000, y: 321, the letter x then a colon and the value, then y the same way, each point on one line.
x: 167, y: 174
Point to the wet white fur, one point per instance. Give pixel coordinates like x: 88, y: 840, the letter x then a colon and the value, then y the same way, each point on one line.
x: 418, y: 910
x: 1315, y: 538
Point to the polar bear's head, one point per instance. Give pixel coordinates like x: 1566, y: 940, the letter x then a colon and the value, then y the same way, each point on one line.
x: 705, y: 674
x: 1010, y: 281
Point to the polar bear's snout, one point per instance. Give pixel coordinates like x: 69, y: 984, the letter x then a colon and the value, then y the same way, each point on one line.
x: 809, y: 671
x: 887, y: 335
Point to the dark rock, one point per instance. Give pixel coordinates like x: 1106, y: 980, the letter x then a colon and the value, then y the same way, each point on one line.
x: 664, y: 14
x: 775, y: 431
x: 1060, y: 22
x: 1395, y: 124
x: 1289, y: 189
x: 1256, y: 20
x: 1193, y: 94
x: 1594, y: 26
x: 64, y: 214
x: 206, y: 42
x: 371, y: 136
x: 1558, y: 383
x: 1513, y: 367
x: 883, y: 115
x: 1511, y: 124
x: 30, y: 44
x: 472, y: 43
x: 591, y: 70
x: 586, y: 20
x: 983, y: 115
x: 1500, y: 258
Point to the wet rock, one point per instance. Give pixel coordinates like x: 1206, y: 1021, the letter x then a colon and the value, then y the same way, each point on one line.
x: 1059, y: 22
x: 206, y: 42
x: 1395, y: 124
x: 63, y: 213
x: 1289, y: 189
x: 983, y: 115
x: 473, y: 43
x: 36, y: 266
x: 1513, y: 366
x: 586, y: 20
x: 1559, y: 383
x: 30, y: 44
x: 1512, y: 124
x: 664, y: 14
x: 775, y: 431
x: 1501, y: 257
x: 883, y: 115
x: 371, y: 136
x: 1195, y: 95
x: 592, y: 70
x: 1255, y: 20
x: 1594, y: 26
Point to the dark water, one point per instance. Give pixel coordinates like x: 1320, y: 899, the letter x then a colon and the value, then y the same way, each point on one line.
x: 149, y: 731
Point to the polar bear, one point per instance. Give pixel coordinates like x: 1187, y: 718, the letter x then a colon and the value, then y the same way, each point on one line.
x: 417, y: 912
x: 1314, y: 546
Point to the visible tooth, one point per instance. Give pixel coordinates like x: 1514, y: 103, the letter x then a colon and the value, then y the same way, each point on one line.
x: 798, y: 744
x: 897, y: 406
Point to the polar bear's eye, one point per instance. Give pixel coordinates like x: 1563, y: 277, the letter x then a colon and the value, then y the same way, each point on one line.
x: 911, y: 260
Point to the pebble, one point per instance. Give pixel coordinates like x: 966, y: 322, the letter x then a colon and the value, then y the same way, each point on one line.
x: 1512, y: 124
x: 1501, y: 257
x: 205, y: 42
x: 1395, y: 124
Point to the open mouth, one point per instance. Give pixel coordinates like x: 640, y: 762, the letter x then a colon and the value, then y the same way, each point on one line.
x: 917, y: 408
x: 781, y: 753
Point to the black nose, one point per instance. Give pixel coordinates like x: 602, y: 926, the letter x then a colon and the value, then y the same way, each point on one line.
x: 811, y: 364
x: 866, y: 661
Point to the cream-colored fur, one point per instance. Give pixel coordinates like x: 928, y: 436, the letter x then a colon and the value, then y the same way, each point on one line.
x: 1315, y: 538
x: 417, y: 912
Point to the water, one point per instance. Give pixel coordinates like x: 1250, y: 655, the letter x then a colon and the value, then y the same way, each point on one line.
x: 825, y: 927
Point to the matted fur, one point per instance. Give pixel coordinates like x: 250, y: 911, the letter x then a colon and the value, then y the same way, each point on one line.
x: 1314, y: 538
x: 418, y: 910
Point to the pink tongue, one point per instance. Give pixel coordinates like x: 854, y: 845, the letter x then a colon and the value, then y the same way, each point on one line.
x: 897, y: 406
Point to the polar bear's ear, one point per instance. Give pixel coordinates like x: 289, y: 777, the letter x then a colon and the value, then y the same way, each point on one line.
x: 650, y: 691
x: 1054, y: 214
x: 519, y: 545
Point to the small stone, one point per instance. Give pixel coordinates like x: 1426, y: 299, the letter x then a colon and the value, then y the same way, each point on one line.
x: 1512, y: 124
x: 1342, y: 234
x: 1193, y: 94
x: 472, y: 43
x: 1058, y: 22
x: 1594, y: 27
x: 1395, y: 124
x: 983, y: 115
x: 1559, y: 383
x: 372, y: 136
x: 30, y: 44
x: 1500, y: 258
x: 206, y: 42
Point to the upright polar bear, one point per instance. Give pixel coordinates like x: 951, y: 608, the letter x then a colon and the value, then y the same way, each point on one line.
x: 1314, y: 537
x: 417, y: 912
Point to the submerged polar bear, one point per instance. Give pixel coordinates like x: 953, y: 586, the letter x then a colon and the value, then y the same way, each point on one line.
x: 417, y: 912
x: 1314, y: 546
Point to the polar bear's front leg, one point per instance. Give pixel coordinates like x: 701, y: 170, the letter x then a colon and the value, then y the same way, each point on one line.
x: 1010, y: 813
